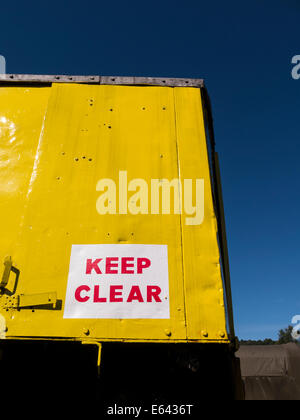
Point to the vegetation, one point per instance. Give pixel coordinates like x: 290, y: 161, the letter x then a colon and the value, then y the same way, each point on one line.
x: 284, y: 337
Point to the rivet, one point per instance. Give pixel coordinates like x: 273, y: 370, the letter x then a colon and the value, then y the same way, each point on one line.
x: 86, y: 331
x: 222, y: 334
x: 168, y: 333
x: 204, y: 333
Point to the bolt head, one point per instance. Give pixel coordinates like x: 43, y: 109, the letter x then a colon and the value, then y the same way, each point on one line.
x: 168, y: 333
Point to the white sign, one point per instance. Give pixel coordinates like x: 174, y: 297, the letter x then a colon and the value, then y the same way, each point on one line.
x: 118, y: 282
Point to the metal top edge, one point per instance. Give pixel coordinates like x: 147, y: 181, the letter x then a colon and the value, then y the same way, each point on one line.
x: 102, y: 80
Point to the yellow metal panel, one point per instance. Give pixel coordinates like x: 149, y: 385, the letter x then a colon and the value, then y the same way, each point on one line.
x: 90, y: 133
x: 22, y: 112
x: 204, y: 293
x: 70, y: 136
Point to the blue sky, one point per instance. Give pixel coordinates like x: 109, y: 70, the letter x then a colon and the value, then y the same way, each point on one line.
x: 243, y: 50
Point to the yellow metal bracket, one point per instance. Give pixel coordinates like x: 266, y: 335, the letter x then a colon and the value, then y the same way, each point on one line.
x: 99, y: 345
x: 6, y: 272
x: 25, y: 301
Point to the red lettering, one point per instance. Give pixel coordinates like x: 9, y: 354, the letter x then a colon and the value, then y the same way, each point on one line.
x: 135, y: 294
x: 78, y: 293
x: 142, y: 263
x: 114, y: 293
x: 126, y: 265
x: 97, y: 298
x: 93, y: 265
x: 110, y: 265
x: 153, y: 292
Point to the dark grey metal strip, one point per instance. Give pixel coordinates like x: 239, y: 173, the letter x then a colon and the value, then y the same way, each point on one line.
x: 151, y: 81
x: 219, y: 208
x: 103, y: 80
x: 32, y: 78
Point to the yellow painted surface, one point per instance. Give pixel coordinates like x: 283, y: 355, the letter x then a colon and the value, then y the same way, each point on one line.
x: 55, y: 144
x: 202, y: 276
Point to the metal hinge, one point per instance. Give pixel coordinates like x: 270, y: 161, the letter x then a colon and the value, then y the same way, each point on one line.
x: 9, y: 268
x: 10, y: 300
x: 6, y: 272
x: 34, y: 300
